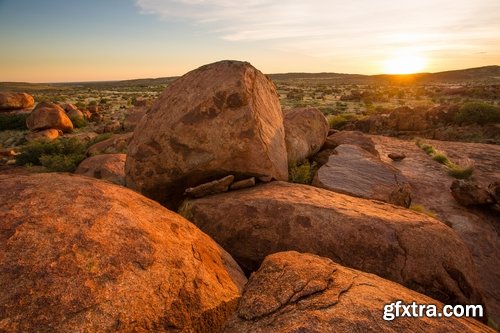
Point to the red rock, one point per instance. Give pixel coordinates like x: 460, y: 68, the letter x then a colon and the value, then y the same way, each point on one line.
x: 48, y: 134
x: 48, y: 115
x: 15, y: 101
x: 110, y: 167
x: 220, y: 119
x: 305, y: 132
x: 356, y: 172
x: 83, y: 255
x: 395, y: 243
x: 294, y: 292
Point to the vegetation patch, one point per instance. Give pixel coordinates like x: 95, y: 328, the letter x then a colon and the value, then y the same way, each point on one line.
x: 302, y: 173
x: 13, y: 121
x: 478, y: 113
x: 455, y: 170
x: 62, y: 155
x: 421, y: 209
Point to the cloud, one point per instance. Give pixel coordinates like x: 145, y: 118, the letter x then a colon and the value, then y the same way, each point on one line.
x: 333, y: 24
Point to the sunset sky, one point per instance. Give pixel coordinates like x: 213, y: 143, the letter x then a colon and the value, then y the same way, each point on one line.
x: 87, y: 40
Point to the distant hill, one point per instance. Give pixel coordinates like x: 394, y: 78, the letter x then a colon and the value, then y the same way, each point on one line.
x: 478, y: 74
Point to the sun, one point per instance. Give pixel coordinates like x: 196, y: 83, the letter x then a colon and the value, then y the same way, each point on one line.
x: 405, y: 64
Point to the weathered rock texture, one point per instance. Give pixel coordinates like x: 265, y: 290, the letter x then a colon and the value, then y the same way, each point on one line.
x: 294, y: 292
x: 431, y: 183
x: 305, y: 132
x: 354, y: 171
x: 110, y: 167
x: 220, y: 119
x: 15, y: 101
x: 469, y: 193
x: 133, y: 117
x: 350, y: 138
x: 48, y: 115
x: 394, y: 243
x: 83, y: 255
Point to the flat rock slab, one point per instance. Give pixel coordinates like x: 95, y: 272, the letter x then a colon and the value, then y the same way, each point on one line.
x: 398, y: 244
x: 431, y: 184
x: 354, y: 171
x: 83, y: 255
x: 294, y: 292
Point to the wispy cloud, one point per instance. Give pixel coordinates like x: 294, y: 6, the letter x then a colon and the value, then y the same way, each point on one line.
x: 344, y: 30
x: 270, y: 19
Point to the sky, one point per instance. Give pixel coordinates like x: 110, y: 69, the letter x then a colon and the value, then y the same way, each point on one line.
x: 92, y: 40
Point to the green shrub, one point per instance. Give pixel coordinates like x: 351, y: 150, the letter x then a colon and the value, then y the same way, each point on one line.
x: 478, y: 113
x: 61, y: 163
x: 13, y: 121
x: 421, y: 209
x: 58, y: 155
x: 440, y: 158
x: 302, y: 173
x: 78, y: 122
x: 429, y: 150
x: 459, y: 172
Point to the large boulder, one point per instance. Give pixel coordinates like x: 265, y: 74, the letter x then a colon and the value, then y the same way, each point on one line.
x: 220, y: 119
x: 306, y: 130
x: 294, y: 292
x: 15, y: 101
x: 83, y: 255
x: 354, y: 171
x: 350, y: 138
x: 395, y: 243
x: 48, y: 115
x: 110, y: 167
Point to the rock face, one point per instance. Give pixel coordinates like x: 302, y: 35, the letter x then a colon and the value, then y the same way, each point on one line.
x: 305, y: 132
x: 397, y: 244
x: 89, y: 256
x: 356, y: 172
x: 220, y: 119
x: 48, y: 134
x: 110, y: 167
x: 133, y: 117
x: 431, y: 183
x: 48, y: 115
x: 468, y: 193
x: 294, y: 292
x: 350, y: 138
x: 15, y: 101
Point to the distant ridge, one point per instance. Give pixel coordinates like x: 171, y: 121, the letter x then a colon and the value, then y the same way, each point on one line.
x: 482, y: 74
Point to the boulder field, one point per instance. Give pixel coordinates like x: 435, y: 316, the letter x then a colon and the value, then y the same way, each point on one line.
x: 294, y: 292
x: 412, y: 249
x: 220, y: 119
x: 83, y: 255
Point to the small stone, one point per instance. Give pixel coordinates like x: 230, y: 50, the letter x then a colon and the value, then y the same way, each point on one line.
x: 243, y: 184
x: 213, y: 187
x: 397, y: 156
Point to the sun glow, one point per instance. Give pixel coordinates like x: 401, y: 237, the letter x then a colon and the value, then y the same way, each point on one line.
x: 405, y: 64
